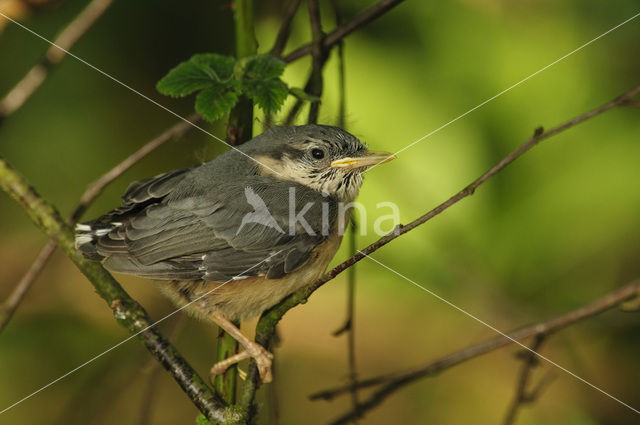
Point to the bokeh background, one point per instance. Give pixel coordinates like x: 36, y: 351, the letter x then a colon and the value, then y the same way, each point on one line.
x: 558, y: 228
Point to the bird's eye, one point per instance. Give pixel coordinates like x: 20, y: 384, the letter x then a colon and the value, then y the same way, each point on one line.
x: 317, y: 153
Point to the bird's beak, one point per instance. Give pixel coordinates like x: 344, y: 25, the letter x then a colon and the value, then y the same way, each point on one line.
x: 369, y: 159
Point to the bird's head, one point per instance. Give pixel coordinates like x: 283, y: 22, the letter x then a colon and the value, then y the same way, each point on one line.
x: 326, y: 159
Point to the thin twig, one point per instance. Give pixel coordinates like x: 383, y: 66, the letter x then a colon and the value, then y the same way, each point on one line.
x: 393, y: 382
x: 87, y: 198
x: 315, y: 81
x: 342, y: 31
x: 295, y: 109
x: 95, y: 189
x: 65, y: 40
x: 543, y: 383
x: 598, y: 306
x: 285, y: 28
x: 318, y: 59
x: 17, y: 295
x: 400, y: 230
x: 349, y: 324
x: 522, y: 395
x: 632, y: 103
x: 342, y: 105
x: 271, y: 317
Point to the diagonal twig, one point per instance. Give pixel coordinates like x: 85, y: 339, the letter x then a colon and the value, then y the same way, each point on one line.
x: 90, y: 194
x: 17, y: 295
x: 66, y: 39
x: 269, y: 319
x: 285, y: 28
x: 392, y: 382
x: 342, y: 31
x: 95, y: 189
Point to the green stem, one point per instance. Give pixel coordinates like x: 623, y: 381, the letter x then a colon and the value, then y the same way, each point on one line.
x: 225, y: 384
x: 239, y: 130
x: 240, y: 126
x: 246, y: 43
x: 126, y: 310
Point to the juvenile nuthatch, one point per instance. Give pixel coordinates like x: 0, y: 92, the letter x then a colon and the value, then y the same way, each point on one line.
x: 241, y: 232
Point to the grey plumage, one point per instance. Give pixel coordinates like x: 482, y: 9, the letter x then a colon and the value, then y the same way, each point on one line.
x: 186, y: 224
x: 225, y: 233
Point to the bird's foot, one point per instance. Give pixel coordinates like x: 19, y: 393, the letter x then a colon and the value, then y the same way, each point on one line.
x: 263, y: 359
x: 261, y: 355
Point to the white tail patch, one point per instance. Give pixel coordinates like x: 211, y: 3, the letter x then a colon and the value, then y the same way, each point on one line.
x: 83, y: 239
x: 86, y: 233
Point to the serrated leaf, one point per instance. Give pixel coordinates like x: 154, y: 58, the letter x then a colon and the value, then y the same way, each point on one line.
x: 303, y: 95
x: 221, y: 65
x: 267, y: 94
x: 263, y: 67
x: 213, y: 102
x: 185, y: 79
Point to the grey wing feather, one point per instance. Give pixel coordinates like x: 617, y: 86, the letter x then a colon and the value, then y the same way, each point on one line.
x: 173, y: 228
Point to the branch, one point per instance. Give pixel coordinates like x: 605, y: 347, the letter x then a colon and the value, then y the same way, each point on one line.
x: 632, y: 103
x: 349, y: 323
x: 523, y: 396
x: 342, y: 31
x: 17, y: 295
x: 65, y: 40
x: 318, y: 59
x: 127, y: 311
x: 152, y: 368
x: 285, y: 28
x: 95, y: 189
x: 393, y: 382
x: 271, y: 317
x: 87, y: 198
x: 342, y: 105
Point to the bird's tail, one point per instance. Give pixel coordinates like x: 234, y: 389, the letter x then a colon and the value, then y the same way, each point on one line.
x: 87, y: 236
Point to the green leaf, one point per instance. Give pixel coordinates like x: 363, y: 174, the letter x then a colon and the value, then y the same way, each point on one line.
x: 303, y: 95
x: 185, y: 79
x: 213, y: 102
x: 263, y: 67
x: 201, y: 71
x: 267, y: 94
x: 221, y: 65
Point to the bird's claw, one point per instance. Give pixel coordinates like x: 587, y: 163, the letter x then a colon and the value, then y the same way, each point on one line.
x: 263, y: 360
x: 261, y: 355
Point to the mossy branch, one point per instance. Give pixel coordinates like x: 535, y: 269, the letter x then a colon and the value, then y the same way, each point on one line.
x: 126, y: 310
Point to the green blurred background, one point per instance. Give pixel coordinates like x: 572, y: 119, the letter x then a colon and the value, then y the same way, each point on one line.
x: 558, y: 228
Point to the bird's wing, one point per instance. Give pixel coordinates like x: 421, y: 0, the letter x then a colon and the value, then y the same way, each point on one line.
x: 172, y: 228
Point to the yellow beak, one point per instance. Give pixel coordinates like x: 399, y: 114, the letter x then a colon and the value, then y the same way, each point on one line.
x: 369, y: 159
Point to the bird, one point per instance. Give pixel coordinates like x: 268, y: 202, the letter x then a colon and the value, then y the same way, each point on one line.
x: 229, y: 238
